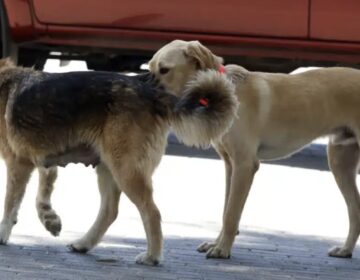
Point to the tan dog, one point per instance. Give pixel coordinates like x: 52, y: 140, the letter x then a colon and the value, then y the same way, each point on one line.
x: 278, y: 115
x: 116, y: 122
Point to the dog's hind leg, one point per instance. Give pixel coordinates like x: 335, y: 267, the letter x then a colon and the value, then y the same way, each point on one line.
x: 46, y: 213
x: 343, y: 162
x: 18, y: 174
x: 108, y: 211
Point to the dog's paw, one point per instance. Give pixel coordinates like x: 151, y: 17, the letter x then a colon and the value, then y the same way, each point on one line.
x: 217, y: 252
x: 340, y: 252
x: 53, y: 225
x: 204, y: 247
x: 49, y: 218
x: 145, y: 259
x: 77, y: 249
x: 5, y: 231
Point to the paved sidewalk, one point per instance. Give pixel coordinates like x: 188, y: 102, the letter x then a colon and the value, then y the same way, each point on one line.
x: 256, y: 255
x: 293, y: 216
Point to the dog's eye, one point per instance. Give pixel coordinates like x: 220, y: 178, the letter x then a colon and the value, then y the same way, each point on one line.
x: 164, y: 70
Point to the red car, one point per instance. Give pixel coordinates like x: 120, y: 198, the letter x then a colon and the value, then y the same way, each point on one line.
x: 271, y: 35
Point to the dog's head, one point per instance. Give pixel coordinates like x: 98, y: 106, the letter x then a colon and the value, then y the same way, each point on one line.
x: 177, y: 62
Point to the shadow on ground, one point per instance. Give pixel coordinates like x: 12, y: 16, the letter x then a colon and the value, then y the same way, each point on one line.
x: 256, y: 255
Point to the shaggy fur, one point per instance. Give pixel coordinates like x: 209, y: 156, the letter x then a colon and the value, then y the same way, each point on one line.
x: 278, y: 115
x: 118, y: 123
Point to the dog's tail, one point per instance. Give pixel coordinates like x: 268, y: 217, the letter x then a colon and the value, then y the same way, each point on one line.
x: 6, y: 63
x: 206, y: 110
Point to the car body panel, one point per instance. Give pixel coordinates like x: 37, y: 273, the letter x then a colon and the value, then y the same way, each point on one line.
x: 20, y: 19
x: 279, y: 18
x: 335, y: 20
x: 316, y: 30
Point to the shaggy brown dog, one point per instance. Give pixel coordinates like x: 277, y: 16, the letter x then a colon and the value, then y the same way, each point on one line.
x: 278, y: 115
x: 116, y: 122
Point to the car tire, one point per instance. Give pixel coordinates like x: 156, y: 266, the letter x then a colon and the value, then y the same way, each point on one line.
x: 32, y: 58
x: 4, y: 32
x: 24, y: 57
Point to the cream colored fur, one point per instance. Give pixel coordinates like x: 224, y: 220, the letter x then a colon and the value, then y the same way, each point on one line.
x: 278, y: 115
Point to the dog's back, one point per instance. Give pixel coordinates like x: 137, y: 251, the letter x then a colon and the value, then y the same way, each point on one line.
x: 53, y: 112
x: 50, y: 113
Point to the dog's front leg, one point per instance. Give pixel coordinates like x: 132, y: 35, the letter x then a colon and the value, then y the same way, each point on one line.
x: 136, y: 185
x: 139, y: 190
x: 18, y: 174
x: 228, y: 171
x: 205, y: 246
x: 242, y: 177
x: 110, y: 195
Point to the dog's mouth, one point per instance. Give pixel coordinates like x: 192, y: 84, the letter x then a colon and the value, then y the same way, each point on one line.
x: 149, y: 78
x: 152, y: 81
x: 80, y: 154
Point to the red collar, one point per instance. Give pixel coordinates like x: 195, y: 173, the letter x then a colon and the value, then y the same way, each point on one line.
x: 222, y: 69
x: 204, y: 101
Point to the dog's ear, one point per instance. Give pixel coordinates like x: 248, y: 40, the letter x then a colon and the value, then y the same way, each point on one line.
x: 202, y: 56
x: 6, y: 63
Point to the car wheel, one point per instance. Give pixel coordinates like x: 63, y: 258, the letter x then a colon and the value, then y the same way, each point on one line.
x: 24, y: 57
x: 32, y: 58
x: 4, y: 45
